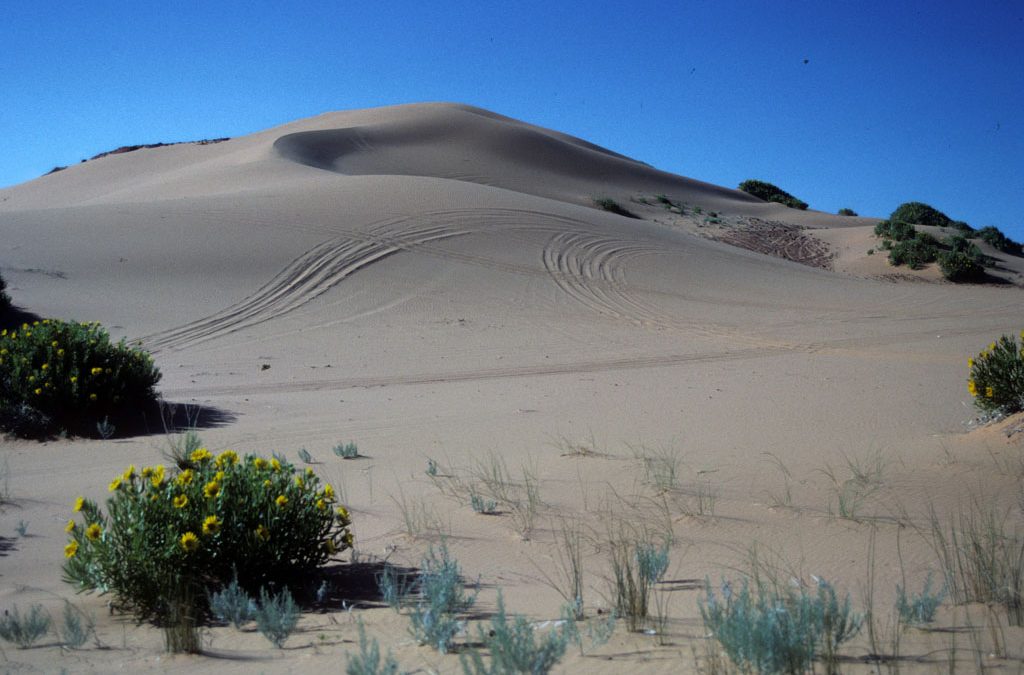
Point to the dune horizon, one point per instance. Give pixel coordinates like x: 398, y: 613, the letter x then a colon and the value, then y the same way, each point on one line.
x: 449, y: 287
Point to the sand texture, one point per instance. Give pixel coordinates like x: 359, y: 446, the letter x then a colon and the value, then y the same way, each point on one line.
x: 435, y: 282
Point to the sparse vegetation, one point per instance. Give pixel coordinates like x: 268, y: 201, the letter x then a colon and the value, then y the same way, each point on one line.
x: 960, y: 260
x: 612, y: 206
x: 513, y: 646
x: 996, y: 379
x: 67, y: 376
x: 442, y: 597
x: 771, y: 193
x: 918, y: 609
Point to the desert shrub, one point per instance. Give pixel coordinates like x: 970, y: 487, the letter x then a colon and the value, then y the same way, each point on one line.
x: 895, y: 229
x: 612, y: 206
x: 67, y: 376
x: 276, y: 616
x: 997, y: 376
x: 847, y: 212
x: 915, y: 253
x: 368, y: 661
x: 918, y: 213
x: 514, y: 648
x: 771, y: 193
x: 961, y: 267
x: 24, y: 631
x: 999, y: 241
x: 233, y: 605
x: 772, y: 630
x: 167, y: 538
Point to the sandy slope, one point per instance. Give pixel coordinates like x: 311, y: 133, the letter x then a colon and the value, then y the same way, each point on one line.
x: 433, y: 281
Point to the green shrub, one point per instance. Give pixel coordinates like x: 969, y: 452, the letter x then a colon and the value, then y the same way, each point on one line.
x: 612, y: 206
x: 167, y: 539
x: 918, y: 213
x: 915, y: 253
x: 997, y: 376
x: 67, y: 376
x: 895, y: 229
x: 771, y: 193
x: 847, y: 212
x: 961, y: 267
x: 999, y: 241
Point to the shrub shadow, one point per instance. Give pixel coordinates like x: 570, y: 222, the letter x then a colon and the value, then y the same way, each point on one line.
x: 166, y: 417
x: 14, y: 316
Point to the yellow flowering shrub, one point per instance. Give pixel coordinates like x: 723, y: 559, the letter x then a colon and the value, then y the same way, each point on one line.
x: 67, y: 376
x: 997, y: 376
x: 169, y: 533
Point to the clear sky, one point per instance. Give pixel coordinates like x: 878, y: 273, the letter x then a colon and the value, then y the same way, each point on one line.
x: 844, y: 103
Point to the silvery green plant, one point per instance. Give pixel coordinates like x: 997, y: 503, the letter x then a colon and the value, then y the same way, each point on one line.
x: 393, y: 586
x: 76, y: 628
x: 24, y: 631
x: 514, y: 648
x: 346, y: 450
x: 305, y: 456
x: 919, y: 608
x: 487, y: 507
x: 233, y: 605
x: 276, y: 616
x: 442, y: 596
x: 368, y: 661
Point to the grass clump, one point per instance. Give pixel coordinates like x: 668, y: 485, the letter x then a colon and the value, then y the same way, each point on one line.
x: 770, y: 630
x: 66, y: 376
x: 636, y: 567
x: 982, y: 554
x: 167, y: 538
x: 918, y: 609
x: 24, y: 631
x: 514, y: 648
x: 442, y: 597
x: 771, y: 193
x: 997, y: 376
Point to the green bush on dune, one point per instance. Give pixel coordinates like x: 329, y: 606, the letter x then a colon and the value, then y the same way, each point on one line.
x: 997, y: 376
x: 771, y: 193
x: 919, y: 213
x: 64, y: 376
x: 994, y: 237
x: 168, y: 539
x: 847, y: 212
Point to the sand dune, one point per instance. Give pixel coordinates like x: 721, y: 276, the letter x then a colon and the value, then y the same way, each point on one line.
x: 435, y: 281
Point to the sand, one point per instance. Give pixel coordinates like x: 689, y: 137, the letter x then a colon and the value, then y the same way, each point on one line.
x: 435, y: 282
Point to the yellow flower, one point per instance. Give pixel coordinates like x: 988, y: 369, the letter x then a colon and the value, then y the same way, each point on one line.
x: 275, y: 464
x: 331, y: 547
x: 200, y: 455
x: 93, y: 532
x: 180, y: 502
x: 281, y: 500
x: 60, y: 352
x: 129, y: 473
x: 71, y: 549
x: 147, y: 471
x: 328, y: 492
x: 189, y: 542
x: 970, y: 363
x: 31, y: 378
x: 263, y: 533
x: 38, y: 391
x: 114, y: 484
x: 321, y: 505
x: 92, y: 397
x: 226, y: 458
x: 79, y: 503
x: 992, y: 347
x: 211, y: 525
x: 219, y: 476
x: 972, y: 387
x: 185, y: 477
x: 989, y: 392
x: 96, y: 371
x: 342, y: 513
x: 299, y: 482
x: 158, y: 475
x: 45, y: 366
x: 348, y: 539
x: 73, y: 379
x: 267, y: 483
x: 70, y: 527
x: 259, y: 463
x: 211, y: 489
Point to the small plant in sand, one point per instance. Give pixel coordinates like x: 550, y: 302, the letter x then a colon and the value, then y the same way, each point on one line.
x: 24, y: 631
x: 368, y: 660
x: 442, y: 597
x: 68, y: 376
x: 346, y: 450
x: 514, y: 648
x: 167, y: 538
x: 997, y: 376
x: 917, y: 609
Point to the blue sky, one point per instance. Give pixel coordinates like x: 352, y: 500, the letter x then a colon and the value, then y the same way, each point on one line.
x: 843, y: 103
